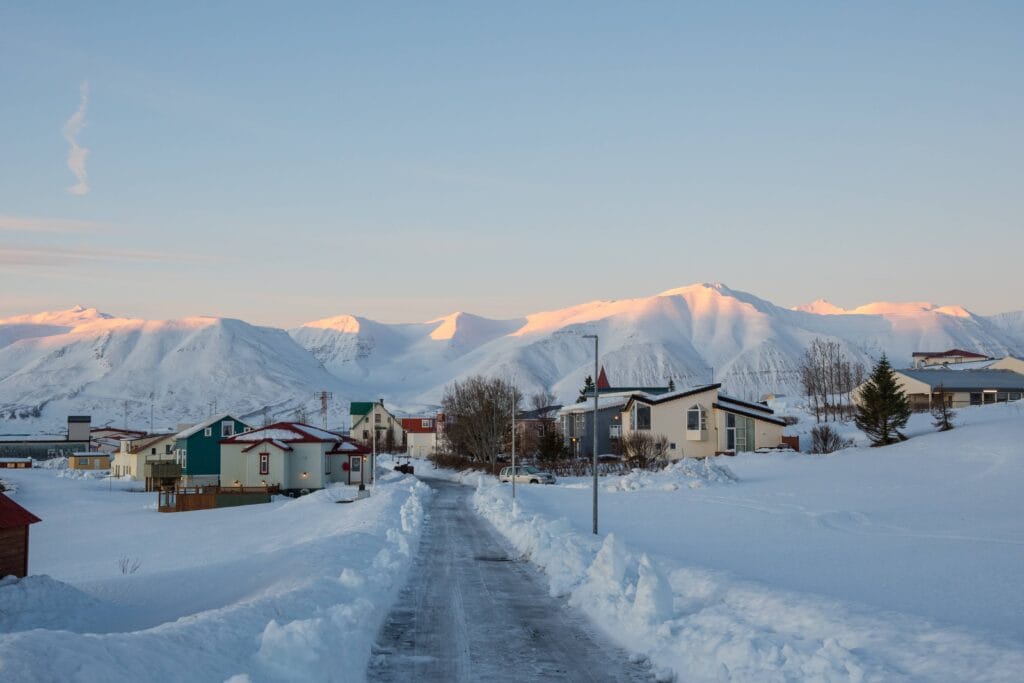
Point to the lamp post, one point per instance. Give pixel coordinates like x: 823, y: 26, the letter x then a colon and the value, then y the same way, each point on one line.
x: 513, y: 442
x: 594, y: 426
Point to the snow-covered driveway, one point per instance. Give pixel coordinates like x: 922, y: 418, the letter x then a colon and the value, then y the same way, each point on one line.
x: 471, y: 612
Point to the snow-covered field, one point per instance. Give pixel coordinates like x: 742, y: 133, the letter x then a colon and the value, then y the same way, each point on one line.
x: 899, y: 563
x: 291, y: 590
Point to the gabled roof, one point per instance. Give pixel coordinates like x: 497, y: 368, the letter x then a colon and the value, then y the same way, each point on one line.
x: 968, y: 380
x: 138, y: 445
x: 203, y: 425
x: 414, y: 425
x: 273, y: 442
x: 286, y: 432
x: 13, y: 515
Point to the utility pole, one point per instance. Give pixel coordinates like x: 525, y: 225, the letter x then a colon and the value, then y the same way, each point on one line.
x: 323, y: 397
x: 125, y: 423
x: 513, y: 441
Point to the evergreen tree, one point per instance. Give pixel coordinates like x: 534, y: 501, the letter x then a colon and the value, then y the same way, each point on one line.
x: 588, y: 388
x: 942, y: 410
x: 671, y: 384
x: 883, y: 408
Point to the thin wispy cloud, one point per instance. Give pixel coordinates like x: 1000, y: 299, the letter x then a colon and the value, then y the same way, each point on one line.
x: 14, y: 255
x: 77, y: 154
x: 35, y: 224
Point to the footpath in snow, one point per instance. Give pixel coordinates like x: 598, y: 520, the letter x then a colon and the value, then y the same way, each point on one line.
x: 893, y: 564
x: 291, y: 590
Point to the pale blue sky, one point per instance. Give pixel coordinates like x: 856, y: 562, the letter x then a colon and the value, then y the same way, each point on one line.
x: 281, y: 163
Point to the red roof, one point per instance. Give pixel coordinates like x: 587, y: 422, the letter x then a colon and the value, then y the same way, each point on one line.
x: 952, y: 353
x: 13, y: 515
x: 602, y: 380
x: 415, y: 425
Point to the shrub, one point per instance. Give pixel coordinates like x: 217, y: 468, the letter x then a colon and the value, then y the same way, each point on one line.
x: 824, y: 439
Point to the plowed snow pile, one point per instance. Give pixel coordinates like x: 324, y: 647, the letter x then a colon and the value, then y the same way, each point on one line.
x: 873, y: 564
x: 290, y: 590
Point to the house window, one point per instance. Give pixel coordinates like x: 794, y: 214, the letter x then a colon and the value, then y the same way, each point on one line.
x: 208, y: 431
x: 227, y: 428
x: 366, y: 434
x: 1014, y: 395
x: 327, y: 464
x: 426, y: 424
x: 640, y: 416
x: 167, y: 449
x: 264, y: 463
x: 376, y: 418
x: 976, y: 399
x: 739, y: 433
x: 696, y: 419
x: 152, y: 451
x: 83, y: 461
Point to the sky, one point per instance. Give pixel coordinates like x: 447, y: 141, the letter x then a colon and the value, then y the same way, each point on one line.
x: 284, y: 162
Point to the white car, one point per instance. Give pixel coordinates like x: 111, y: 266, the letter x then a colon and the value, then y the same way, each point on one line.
x: 526, y: 474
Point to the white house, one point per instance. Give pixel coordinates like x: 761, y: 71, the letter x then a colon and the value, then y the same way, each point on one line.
x: 369, y: 418
x: 700, y: 422
x: 291, y: 455
x: 420, y: 436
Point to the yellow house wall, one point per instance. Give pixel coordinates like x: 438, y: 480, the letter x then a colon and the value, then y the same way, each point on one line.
x: 1009, y: 363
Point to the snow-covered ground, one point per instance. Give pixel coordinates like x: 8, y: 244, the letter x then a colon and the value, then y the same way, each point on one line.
x: 291, y: 590
x: 898, y: 563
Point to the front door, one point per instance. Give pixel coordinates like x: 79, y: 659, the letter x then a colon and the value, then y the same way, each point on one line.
x: 355, y: 470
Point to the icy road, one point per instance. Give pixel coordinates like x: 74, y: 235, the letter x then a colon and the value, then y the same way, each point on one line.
x: 472, y: 612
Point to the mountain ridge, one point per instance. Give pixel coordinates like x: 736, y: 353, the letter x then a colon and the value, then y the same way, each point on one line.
x: 84, y: 361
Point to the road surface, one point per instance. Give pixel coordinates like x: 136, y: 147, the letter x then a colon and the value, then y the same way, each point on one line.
x: 472, y: 612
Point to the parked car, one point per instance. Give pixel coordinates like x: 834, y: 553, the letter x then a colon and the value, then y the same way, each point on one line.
x: 526, y: 474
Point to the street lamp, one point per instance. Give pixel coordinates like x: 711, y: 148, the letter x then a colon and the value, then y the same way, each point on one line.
x: 594, y: 426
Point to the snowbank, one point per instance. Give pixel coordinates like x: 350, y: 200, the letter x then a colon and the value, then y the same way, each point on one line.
x: 689, y: 473
x: 705, y: 626
x: 899, y: 563
x: 291, y: 590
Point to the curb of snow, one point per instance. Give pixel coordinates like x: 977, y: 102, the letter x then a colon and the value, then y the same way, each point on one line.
x: 701, y: 625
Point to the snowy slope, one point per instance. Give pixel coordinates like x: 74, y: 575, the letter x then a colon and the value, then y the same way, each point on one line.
x: 191, y: 367
x: 82, y: 361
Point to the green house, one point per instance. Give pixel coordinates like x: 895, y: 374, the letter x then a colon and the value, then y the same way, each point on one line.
x: 198, y: 447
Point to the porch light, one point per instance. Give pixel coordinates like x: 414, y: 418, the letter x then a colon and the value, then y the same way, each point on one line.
x: 305, y: 475
x: 237, y: 483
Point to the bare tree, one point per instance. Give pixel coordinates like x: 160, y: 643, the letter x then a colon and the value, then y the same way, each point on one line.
x: 478, y: 416
x: 828, y: 379
x: 642, y: 449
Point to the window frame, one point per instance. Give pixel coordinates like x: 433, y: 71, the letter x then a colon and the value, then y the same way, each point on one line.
x: 264, y: 463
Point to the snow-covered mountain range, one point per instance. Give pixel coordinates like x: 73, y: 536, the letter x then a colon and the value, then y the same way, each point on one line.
x: 83, y: 361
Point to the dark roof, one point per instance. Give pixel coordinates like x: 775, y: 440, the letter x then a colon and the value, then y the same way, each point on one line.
x: 646, y: 397
x: 79, y: 418
x: 13, y: 515
x: 960, y: 353
x: 968, y: 380
x: 731, y: 407
x: 747, y: 404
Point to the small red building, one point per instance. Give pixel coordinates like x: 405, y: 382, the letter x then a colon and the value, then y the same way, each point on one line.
x: 14, y: 521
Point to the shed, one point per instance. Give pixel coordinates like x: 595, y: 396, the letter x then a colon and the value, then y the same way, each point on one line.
x: 14, y: 522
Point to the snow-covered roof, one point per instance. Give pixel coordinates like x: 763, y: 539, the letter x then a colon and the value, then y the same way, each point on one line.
x: 672, y: 395
x: 752, y: 410
x: 276, y: 442
x: 202, y: 425
x: 603, y: 401
x: 286, y: 432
